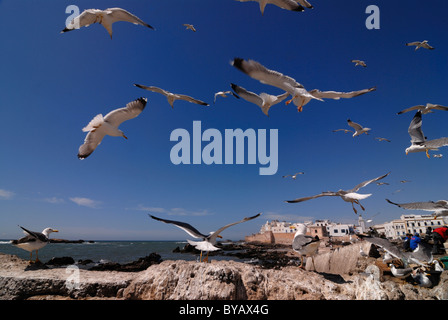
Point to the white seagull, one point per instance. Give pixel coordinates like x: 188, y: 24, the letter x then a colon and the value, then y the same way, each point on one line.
x: 171, y: 97
x: 101, y: 126
x: 305, y: 245
x: 438, y: 208
x: 345, y: 130
x: 224, y: 94
x: 420, y: 44
x: 290, y: 5
x: 437, y: 155
x: 208, y: 241
x: 263, y: 100
x: 428, y: 108
x: 421, y: 255
x: 190, y: 26
x: 33, y: 241
x: 400, y: 273
x: 418, y: 139
x: 347, y: 195
x: 359, y: 129
x: 105, y: 17
x: 300, y: 96
x: 382, y: 139
x: 359, y: 63
x: 293, y: 176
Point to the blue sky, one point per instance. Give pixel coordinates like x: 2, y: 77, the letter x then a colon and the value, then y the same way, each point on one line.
x: 53, y: 84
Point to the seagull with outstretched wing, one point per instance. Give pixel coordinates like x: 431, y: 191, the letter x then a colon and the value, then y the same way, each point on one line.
x: 438, y: 208
x: 171, y: 97
x: 263, y: 100
x: 104, y: 17
x: 420, y: 44
x: 418, y: 139
x: 359, y: 129
x: 33, y: 241
x: 300, y: 96
x: 290, y: 5
x: 350, y: 195
x: 208, y: 241
x: 428, y: 108
x: 101, y: 126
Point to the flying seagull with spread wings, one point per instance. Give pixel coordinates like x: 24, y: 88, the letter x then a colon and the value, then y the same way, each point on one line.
x: 420, y: 44
x: 422, y: 255
x: 438, y: 208
x: 359, y: 129
x: 189, y: 26
x: 263, y: 100
x: 359, y: 63
x: 418, y: 139
x: 33, y: 241
x: 104, y: 17
x: 350, y: 195
x: 224, y: 94
x: 428, y: 108
x: 300, y: 96
x: 293, y: 176
x: 290, y: 5
x: 208, y: 241
x: 171, y: 97
x: 101, y: 126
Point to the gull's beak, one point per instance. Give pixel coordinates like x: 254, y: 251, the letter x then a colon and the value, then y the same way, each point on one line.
x: 219, y: 236
x: 55, y: 230
x: 125, y: 137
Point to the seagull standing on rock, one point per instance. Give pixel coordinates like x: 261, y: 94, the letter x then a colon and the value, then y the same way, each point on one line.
x: 305, y: 245
x: 33, y: 241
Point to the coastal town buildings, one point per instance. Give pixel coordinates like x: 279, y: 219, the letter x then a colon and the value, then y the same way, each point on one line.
x: 283, y: 232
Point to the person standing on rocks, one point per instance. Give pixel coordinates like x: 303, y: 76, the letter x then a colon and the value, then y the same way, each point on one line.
x: 439, y: 236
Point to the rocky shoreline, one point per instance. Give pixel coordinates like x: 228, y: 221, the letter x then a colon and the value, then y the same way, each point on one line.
x: 275, y: 275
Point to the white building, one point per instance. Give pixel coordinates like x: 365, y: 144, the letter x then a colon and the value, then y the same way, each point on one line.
x: 276, y: 226
x: 340, y: 230
x: 410, y: 224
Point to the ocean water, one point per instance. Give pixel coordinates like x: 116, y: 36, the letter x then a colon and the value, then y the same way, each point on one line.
x: 103, y: 251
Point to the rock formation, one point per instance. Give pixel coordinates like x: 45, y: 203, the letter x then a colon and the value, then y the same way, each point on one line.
x: 337, y: 276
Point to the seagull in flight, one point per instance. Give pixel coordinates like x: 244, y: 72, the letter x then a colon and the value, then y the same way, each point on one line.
x: 345, y: 130
x: 293, y: 176
x: 300, y: 96
x: 420, y: 44
x: 350, y: 195
x: 224, y: 94
x: 359, y: 63
x: 172, y: 96
x: 33, y: 241
x: 382, y: 139
x: 208, y: 241
x: 428, y: 108
x: 263, y: 100
x: 421, y: 255
x: 305, y: 245
x: 418, y: 139
x: 359, y: 129
x: 190, y: 26
x: 101, y: 126
x: 104, y: 17
x: 438, y: 208
x: 290, y: 5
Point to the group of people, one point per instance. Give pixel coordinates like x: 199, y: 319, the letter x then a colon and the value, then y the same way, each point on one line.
x: 438, y: 236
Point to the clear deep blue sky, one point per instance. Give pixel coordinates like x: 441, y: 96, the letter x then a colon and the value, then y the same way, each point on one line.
x: 52, y: 85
